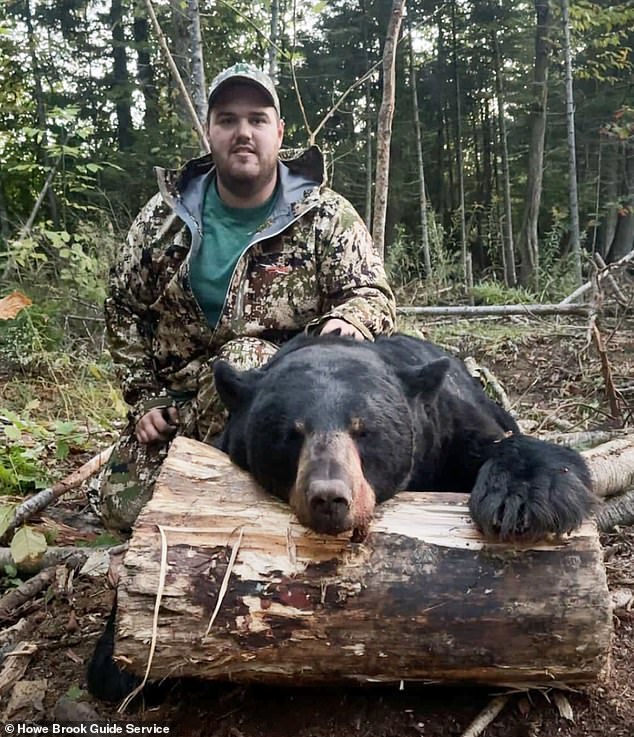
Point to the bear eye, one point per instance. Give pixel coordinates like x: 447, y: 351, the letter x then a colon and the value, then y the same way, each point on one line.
x: 299, y: 427
x: 357, y: 428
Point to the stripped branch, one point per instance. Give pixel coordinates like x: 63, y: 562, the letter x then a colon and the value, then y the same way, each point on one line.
x: 204, y: 144
x: 615, y: 266
x: 35, y: 504
x: 482, y: 310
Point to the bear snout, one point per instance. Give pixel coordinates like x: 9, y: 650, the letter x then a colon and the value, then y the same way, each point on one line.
x: 331, y: 495
x: 329, y: 502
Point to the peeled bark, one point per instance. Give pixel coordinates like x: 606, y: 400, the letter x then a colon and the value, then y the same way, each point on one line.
x: 248, y: 594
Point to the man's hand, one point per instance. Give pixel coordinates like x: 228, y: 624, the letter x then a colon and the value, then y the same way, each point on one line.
x: 157, y: 425
x: 341, y: 327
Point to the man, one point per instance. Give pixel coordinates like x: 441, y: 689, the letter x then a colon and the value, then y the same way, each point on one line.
x: 240, y: 250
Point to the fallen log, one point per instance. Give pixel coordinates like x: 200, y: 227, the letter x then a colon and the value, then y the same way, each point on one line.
x: 528, y: 310
x: 241, y: 591
x: 612, y: 466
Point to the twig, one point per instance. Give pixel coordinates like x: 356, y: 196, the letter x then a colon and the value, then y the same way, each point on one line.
x: 606, y: 370
x: 177, y: 78
x: 42, y: 499
x: 69, y: 555
x: 582, y: 438
x: 15, y: 665
x: 486, y: 716
x: 479, y: 310
x: 615, y: 265
x: 620, y: 297
x: 25, y: 592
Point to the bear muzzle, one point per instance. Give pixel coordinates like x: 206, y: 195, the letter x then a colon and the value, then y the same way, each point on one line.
x: 331, y: 494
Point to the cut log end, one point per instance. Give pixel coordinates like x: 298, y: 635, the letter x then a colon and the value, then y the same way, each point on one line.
x: 424, y: 598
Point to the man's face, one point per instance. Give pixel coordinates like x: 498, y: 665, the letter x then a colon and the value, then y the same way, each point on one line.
x: 245, y: 135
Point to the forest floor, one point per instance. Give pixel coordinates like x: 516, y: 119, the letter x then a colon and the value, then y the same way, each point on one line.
x: 554, y: 378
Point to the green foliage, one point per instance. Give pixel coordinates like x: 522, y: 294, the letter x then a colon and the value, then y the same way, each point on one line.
x: 29, y: 335
x: 494, y: 292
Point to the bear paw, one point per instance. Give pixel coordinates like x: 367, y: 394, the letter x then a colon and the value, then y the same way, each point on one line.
x: 529, y: 489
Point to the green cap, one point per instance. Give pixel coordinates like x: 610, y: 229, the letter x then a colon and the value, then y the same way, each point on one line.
x: 243, y: 72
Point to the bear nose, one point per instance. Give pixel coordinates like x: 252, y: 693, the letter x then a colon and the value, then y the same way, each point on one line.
x: 329, y: 502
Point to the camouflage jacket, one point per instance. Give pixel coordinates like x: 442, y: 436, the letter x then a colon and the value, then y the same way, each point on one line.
x: 312, y: 260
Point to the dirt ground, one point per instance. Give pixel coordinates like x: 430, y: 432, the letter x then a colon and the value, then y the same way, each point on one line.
x: 555, y: 380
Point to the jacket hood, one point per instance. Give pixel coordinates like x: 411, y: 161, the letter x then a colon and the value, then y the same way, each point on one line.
x: 305, y: 163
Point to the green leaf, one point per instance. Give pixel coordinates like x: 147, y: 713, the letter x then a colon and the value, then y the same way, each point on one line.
x: 27, y: 546
x: 12, y: 433
x: 6, y: 515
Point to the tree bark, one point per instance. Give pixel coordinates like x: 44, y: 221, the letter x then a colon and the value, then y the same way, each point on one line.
x: 422, y: 195
x: 120, y: 77
x: 384, y: 133
x: 273, y: 36
x: 145, y: 70
x: 198, y: 84
x: 573, y: 195
x: 482, y: 310
x: 466, y: 260
x: 612, y: 466
x: 528, y: 240
x: 510, y: 275
x: 248, y: 594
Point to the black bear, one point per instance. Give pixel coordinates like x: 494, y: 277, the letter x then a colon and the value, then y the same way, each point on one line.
x: 334, y: 426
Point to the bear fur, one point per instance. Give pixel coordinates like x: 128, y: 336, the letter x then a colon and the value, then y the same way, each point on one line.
x: 334, y: 426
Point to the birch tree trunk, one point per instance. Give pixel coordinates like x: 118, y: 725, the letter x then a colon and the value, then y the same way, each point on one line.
x: 510, y: 276
x: 384, y: 133
x: 466, y: 256
x: 41, y: 112
x: 573, y: 195
x: 198, y: 89
x: 528, y: 241
x: 422, y: 201
x: 273, y: 36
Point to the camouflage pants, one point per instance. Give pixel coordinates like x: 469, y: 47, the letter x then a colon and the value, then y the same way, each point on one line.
x: 127, y: 481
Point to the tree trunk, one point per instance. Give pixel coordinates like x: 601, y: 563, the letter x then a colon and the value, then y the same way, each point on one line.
x: 611, y: 154
x: 248, y: 594
x: 41, y: 113
x: 466, y: 261
x: 120, y: 78
x: 422, y: 195
x: 510, y: 276
x: 274, y: 34
x: 198, y: 84
x: 623, y: 242
x: 384, y: 132
x: 573, y: 195
x: 179, y: 38
x: 528, y: 240
x: 145, y: 70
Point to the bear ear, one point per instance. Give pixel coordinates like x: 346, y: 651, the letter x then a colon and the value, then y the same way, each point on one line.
x: 425, y: 381
x: 235, y: 388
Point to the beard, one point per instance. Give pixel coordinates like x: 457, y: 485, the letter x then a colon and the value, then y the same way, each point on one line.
x: 244, y: 182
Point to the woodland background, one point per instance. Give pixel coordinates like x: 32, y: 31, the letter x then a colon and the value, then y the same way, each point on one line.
x: 496, y: 104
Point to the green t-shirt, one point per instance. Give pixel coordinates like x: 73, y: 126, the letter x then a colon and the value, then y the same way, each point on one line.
x: 226, y: 231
